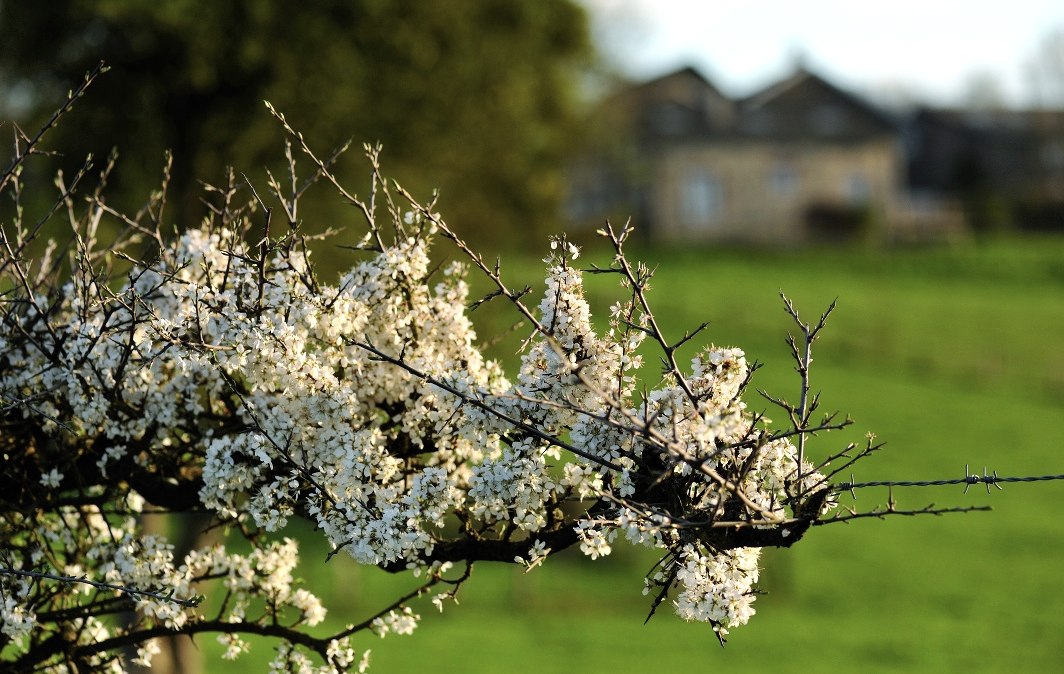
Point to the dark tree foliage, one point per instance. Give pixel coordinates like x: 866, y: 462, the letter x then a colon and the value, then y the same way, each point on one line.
x: 458, y: 93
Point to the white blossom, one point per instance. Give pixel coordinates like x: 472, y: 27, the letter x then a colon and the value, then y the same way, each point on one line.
x: 270, y: 390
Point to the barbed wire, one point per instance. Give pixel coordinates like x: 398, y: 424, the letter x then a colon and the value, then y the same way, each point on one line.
x: 988, y: 479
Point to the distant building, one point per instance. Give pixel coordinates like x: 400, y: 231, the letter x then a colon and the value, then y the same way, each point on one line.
x: 800, y: 160
x: 1005, y: 165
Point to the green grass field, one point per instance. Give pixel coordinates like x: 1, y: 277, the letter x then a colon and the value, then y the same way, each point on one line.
x: 951, y: 356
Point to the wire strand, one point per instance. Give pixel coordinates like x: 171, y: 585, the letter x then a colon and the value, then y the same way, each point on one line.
x: 988, y: 479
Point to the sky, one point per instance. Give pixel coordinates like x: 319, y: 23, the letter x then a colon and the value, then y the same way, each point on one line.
x: 932, y: 51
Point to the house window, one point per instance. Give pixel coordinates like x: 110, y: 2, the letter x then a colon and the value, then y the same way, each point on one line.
x: 1053, y: 155
x: 669, y: 119
x: 827, y: 120
x: 702, y: 198
x: 760, y: 123
x: 857, y: 189
x: 782, y: 179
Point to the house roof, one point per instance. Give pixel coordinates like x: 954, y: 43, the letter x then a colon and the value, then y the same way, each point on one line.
x: 679, y: 104
x: 687, y: 72
x: 805, y: 105
x: 684, y: 104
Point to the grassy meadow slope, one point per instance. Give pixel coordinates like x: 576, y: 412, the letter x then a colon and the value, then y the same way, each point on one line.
x: 951, y: 356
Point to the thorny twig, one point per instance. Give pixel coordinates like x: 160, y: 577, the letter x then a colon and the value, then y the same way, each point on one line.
x: 124, y: 589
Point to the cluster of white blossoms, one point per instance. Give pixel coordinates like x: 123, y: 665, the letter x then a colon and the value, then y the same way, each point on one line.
x: 368, y: 408
x: 121, y: 556
x: 716, y: 588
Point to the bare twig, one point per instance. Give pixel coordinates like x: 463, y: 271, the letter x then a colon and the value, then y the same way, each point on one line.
x: 124, y: 589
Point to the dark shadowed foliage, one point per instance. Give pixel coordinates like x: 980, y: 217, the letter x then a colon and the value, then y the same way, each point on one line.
x: 459, y: 93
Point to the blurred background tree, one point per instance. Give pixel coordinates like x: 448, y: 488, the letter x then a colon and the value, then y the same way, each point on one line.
x: 1045, y: 70
x: 474, y: 93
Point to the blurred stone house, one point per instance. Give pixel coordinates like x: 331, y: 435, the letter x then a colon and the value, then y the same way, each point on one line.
x: 800, y: 160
